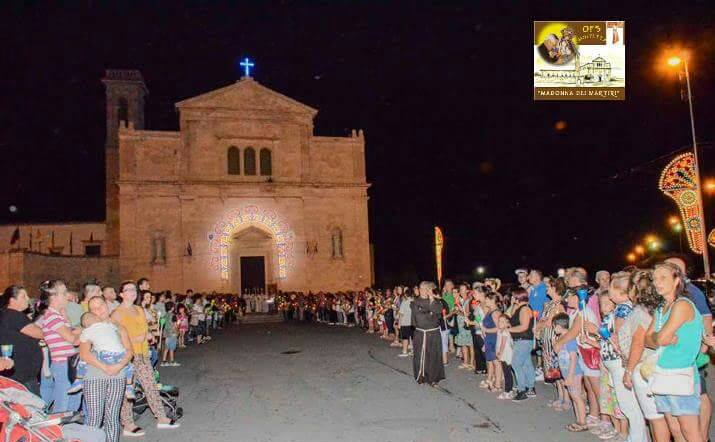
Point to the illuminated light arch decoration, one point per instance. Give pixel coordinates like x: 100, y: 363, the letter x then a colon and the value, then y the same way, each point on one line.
x: 240, y: 218
x: 678, y: 181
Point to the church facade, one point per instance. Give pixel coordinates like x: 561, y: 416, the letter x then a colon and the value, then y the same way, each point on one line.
x: 244, y: 196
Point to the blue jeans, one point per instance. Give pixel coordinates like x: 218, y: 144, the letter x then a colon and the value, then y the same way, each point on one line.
x: 61, y: 401
x: 47, y: 387
x: 522, y: 364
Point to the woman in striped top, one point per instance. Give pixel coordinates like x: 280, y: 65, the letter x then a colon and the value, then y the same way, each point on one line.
x: 61, y: 340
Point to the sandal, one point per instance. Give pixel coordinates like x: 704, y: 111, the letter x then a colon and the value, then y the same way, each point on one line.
x: 576, y: 427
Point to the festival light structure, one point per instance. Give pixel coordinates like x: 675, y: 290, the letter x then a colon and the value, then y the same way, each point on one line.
x: 238, y: 219
x: 679, y: 182
x: 694, y: 225
x: 438, y: 245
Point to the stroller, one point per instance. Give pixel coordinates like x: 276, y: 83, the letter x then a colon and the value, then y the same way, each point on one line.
x: 22, y: 416
x: 168, y: 394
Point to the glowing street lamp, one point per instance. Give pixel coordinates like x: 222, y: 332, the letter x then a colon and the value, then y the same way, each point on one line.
x: 709, y: 186
x: 631, y: 257
x: 480, y: 270
x: 640, y: 249
x: 673, y: 220
x: 675, y: 61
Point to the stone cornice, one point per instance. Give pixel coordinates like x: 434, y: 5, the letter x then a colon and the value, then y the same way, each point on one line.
x: 246, y: 184
x: 131, y: 133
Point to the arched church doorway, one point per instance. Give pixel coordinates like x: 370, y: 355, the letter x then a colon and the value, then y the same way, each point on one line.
x: 251, y: 260
x: 253, y: 274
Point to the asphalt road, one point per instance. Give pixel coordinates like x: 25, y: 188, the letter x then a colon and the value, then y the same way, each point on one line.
x: 299, y: 382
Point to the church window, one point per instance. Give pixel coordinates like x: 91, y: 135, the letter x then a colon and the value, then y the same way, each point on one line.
x: 158, y: 250
x: 249, y: 161
x: 266, y: 166
x: 92, y: 250
x: 234, y: 161
x: 123, y: 110
x: 337, y: 243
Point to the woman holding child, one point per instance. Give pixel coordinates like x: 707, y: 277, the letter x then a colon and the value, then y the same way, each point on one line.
x: 106, y: 348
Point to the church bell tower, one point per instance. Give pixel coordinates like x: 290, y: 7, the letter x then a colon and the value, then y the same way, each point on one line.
x: 125, y: 92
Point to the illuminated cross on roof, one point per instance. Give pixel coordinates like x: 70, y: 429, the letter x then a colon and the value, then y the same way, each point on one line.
x: 247, y: 65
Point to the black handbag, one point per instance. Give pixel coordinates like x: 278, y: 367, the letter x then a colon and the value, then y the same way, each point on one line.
x: 72, y: 363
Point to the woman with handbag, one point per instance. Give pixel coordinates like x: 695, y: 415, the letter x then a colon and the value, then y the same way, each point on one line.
x: 582, y: 320
x: 544, y: 330
x: 631, y: 340
x: 676, y: 332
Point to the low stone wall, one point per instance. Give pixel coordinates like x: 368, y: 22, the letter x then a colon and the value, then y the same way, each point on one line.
x: 30, y: 269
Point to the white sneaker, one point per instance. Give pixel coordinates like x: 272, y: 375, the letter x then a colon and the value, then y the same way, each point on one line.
x: 403, y: 355
x: 175, y: 364
x: 505, y: 395
x: 171, y: 424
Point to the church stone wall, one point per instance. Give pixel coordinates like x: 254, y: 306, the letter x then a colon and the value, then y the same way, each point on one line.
x: 148, y: 155
x: 337, y: 160
x: 176, y: 186
x: 345, y: 212
x: 206, y: 142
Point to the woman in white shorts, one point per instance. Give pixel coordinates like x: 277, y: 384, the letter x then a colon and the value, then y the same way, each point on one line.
x: 631, y: 339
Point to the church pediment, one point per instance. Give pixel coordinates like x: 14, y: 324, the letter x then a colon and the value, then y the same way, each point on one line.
x: 247, y: 95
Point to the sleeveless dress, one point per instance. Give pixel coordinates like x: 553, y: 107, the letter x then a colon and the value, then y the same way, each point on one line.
x: 549, y: 359
x: 464, y: 335
x: 490, y: 339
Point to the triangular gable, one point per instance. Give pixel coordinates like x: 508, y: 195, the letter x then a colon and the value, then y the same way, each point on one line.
x: 246, y: 94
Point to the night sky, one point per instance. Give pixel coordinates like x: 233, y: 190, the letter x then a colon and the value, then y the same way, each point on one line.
x: 444, y: 94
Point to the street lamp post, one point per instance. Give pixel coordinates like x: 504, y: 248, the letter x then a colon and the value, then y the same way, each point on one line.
x: 675, y: 61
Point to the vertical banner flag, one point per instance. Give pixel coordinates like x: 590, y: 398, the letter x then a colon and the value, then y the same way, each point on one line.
x: 438, y: 244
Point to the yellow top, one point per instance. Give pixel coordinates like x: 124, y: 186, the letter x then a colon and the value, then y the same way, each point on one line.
x: 136, y: 326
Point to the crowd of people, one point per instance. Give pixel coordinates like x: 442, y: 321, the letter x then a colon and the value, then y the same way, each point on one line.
x: 627, y: 356
x: 88, y: 351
